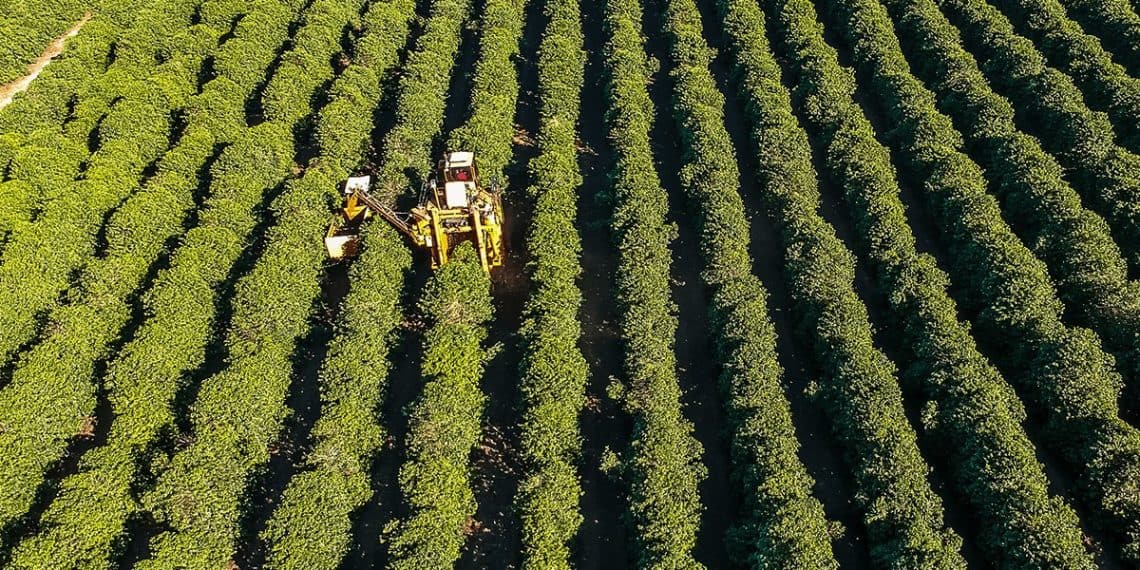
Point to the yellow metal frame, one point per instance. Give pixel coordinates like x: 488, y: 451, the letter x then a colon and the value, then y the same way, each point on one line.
x: 343, y: 240
x: 487, y: 237
x: 428, y: 226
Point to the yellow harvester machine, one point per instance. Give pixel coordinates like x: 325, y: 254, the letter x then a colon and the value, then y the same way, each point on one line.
x: 453, y: 206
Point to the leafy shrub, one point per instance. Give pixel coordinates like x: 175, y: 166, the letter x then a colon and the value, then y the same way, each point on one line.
x: 28, y: 28
x: 135, y: 133
x: 445, y: 422
x: 348, y: 433
x: 969, y: 403
x: 662, y: 465
x: 43, y: 409
x: 489, y: 130
x: 553, y: 372
x: 44, y: 106
x: 1081, y: 140
x: 1105, y: 85
x: 424, y: 81
x: 1116, y: 24
x: 311, y: 528
x: 179, y: 306
x: 858, y: 378
x: 239, y: 410
x: 1086, y: 265
x: 1062, y: 373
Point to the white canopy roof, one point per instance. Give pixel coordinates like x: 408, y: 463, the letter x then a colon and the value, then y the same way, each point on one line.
x: 460, y: 159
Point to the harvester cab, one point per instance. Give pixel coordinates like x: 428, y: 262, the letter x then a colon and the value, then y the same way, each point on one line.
x: 453, y: 206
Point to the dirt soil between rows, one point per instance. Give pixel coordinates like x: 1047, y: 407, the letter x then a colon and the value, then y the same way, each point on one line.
x: 53, y: 49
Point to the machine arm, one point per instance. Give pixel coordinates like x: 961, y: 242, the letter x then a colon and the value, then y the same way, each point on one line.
x: 400, y: 220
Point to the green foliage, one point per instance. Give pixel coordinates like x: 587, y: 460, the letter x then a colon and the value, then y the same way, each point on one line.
x: 821, y: 270
x: 10, y: 143
x: 424, y: 80
x: 133, y: 134
x: 179, y: 306
x: 1062, y: 373
x: 86, y: 330
x: 160, y: 41
x: 18, y: 202
x: 45, y: 104
x: 1086, y: 265
x: 48, y: 165
x: 117, y: 237
x: 74, y: 85
x: 289, y: 97
x: 445, y: 421
x: 553, y: 372
x: 1105, y: 85
x: 1115, y: 23
x: 311, y: 528
x: 50, y: 395
x: 710, y: 176
x: 37, y: 171
x: 490, y: 130
x: 973, y: 408
x: 28, y: 28
x: 903, y: 514
x: 1054, y: 110
x: 662, y: 465
x: 245, y: 58
x: 239, y: 410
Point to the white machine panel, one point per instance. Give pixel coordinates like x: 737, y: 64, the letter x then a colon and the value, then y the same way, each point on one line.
x: 357, y: 182
x: 460, y: 159
x: 456, y: 194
